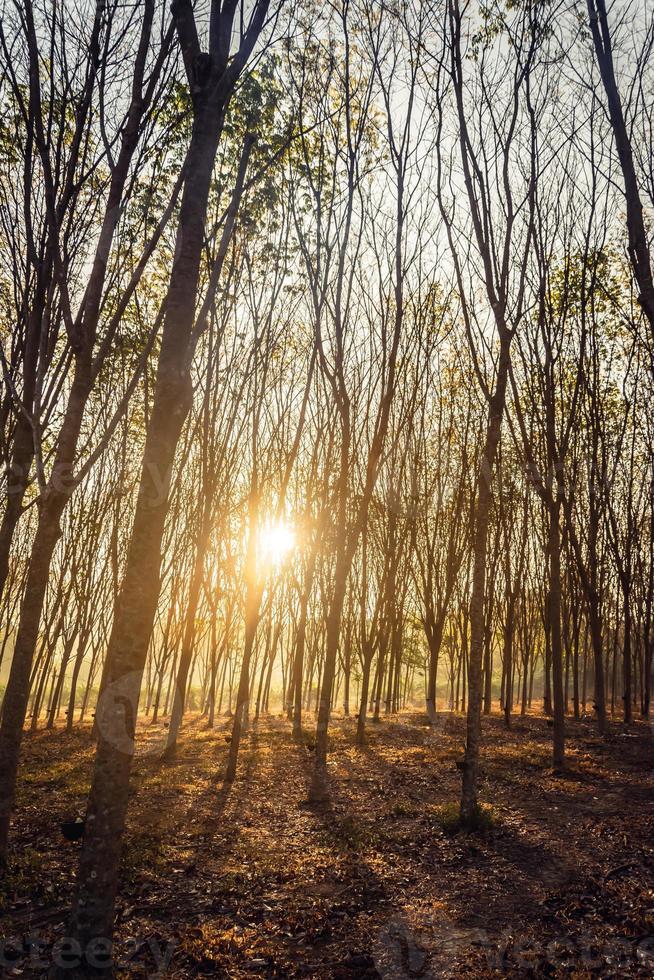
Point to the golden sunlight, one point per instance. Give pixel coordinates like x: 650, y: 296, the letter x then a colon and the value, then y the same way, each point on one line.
x: 276, y: 540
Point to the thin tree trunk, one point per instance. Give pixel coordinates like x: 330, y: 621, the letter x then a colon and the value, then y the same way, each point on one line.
x: 93, y: 914
x: 469, y: 804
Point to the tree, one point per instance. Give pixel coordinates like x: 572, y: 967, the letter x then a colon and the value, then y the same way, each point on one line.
x: 212, y: 77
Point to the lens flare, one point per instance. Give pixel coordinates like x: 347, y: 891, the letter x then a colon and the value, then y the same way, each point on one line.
x: 276, y: 540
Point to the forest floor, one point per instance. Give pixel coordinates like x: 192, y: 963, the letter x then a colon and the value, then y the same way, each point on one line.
x: 253, y: 880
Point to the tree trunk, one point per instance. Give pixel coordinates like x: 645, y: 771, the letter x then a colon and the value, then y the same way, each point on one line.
x: 47, y: 535
x: 93, y: 913
x: 365, y: 686
x: 189, y: 632
x: 331, y: 653
x: 243, y: 694
x: 638, y: 239
x: 484, y: 488
x: 626, y: 657
x: 435, y: 640
x: 508, y: 660
x: 554, y: 612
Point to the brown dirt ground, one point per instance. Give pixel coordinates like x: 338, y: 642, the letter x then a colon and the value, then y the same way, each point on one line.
x: 254, y: 881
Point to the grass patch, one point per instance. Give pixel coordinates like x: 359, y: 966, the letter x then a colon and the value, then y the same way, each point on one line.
x: 448, y: 816
x: 350, y: 834
x: 404, y: 808
x: 142, y: 857
x: 21, y: 874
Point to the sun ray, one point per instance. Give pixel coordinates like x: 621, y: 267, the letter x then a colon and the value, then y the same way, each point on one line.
x: 276, y: 540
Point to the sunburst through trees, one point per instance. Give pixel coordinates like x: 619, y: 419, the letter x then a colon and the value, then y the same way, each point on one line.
x: 327, y: 339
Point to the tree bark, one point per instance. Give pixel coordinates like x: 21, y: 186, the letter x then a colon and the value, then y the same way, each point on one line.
x: 469, y: 803
x: 98, y: 873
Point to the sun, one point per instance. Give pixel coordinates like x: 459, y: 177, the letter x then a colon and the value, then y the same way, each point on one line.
x: 276, y: 540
